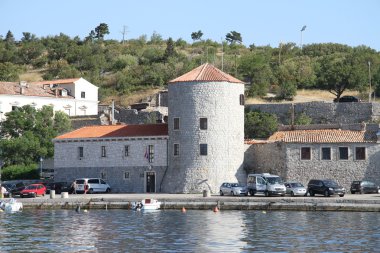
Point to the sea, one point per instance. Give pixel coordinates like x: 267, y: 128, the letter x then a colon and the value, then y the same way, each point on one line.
x: 120, y: 230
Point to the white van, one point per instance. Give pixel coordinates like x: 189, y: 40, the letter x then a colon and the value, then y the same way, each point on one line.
x: 91, y: 185
x: 265, y: 183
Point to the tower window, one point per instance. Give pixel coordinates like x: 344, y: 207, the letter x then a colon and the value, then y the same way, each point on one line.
x: 83, y: 94
x: 103, y: 151
x: 242, y: 99
x: 176, y: 149
x: 203, y: 123
x: 203, y: 149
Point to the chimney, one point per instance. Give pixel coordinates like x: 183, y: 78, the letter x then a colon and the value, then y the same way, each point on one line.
x: 22, y: 86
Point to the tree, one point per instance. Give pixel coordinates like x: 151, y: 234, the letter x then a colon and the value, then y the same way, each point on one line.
x: 27, y: 134
x: 9, y: 38
x: 101, y: 30
x: 196, y: 35
x: 259, y: 124
x: 256, y: 70
x: 170, y: 49
x: 234, y: 37
x: 9, y: 72
x: 339, y: 72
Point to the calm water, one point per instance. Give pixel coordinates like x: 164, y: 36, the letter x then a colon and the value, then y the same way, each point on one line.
x: 194, y: 231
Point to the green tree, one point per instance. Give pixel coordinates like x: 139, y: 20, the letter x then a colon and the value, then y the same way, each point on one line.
x: 27, y: 134
x: 234, y: 37
x: 339, y: 72
x: 170, y: 49
x: 255, y: 69
x: 9, y: 72
x: 196, y: 35
x: 101, y: 30
x: 9, y: 38
x: 259, y: 124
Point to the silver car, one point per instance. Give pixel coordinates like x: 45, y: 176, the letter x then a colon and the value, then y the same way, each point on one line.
x: 233, y: 189
x: 295, y: 189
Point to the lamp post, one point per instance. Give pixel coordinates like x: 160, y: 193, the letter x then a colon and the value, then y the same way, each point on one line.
x: 369, y: 77
x: 41, y: 160
x: 1, y: 191
x: 303, y: 29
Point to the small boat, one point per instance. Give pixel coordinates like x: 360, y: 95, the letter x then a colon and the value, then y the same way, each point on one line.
x: 150, y: 204
x: 11, y: 206
x: 146, y: 204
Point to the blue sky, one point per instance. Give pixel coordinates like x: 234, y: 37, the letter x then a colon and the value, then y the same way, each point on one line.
x: 265, y: 22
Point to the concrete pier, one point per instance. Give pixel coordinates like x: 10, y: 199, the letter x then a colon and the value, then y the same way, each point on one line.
x: 361, y: 203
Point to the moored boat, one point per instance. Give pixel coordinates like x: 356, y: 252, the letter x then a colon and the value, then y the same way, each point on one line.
x: 11, y: 206
x: 147, y: 204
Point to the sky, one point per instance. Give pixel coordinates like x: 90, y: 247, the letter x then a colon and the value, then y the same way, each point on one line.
x: 264, y: 22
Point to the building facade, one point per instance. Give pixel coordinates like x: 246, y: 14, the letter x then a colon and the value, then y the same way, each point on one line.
x: 76, y: 97
x: 206, y: 130
x: 300, y: 155
x: 131, y: 158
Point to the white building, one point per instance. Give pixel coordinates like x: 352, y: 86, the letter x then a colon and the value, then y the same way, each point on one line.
x: 74, y: 96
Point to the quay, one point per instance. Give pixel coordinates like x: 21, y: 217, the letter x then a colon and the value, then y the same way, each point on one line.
x: 350, y: 202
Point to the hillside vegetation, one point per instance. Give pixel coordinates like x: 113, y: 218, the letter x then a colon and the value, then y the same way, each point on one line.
x: 129, y: 70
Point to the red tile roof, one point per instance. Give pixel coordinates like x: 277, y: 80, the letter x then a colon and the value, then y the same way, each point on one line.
x: 33, y: 88
x: 110, y: 131
x: 323, y: 136
x: 206, y: 73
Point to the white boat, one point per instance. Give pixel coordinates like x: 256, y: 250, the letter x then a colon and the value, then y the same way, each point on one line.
x: 11, y: 206
x: 150, y: 204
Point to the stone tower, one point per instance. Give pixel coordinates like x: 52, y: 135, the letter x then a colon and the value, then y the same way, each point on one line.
x: 206, y: 131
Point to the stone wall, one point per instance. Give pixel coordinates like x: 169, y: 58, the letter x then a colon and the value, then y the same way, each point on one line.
x: 284, y: 159
x: 323, y: 112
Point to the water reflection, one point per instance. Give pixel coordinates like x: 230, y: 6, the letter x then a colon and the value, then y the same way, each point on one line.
x: 194, y: 231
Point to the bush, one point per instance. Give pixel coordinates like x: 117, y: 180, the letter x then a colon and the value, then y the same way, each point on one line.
x: 17, y: 172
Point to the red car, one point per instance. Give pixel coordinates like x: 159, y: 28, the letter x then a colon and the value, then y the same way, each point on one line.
x: 33, y: 190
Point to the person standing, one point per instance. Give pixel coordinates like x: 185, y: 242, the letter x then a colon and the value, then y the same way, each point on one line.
x: 74, y: 186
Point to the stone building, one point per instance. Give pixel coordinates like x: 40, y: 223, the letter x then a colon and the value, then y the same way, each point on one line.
x: 201, y: 146
x: 131, y: 158
x: 206, y: 130
x: 343, y: 153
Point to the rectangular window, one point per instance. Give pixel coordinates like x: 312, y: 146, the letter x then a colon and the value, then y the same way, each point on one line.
x: 126, y: 174
x: 83, y: 94
x: 203, y: 123
x: 343, y: 153
x: 203, y: 149
x: 176, y: 124
x: 150, y: 153
x: 360, y: 153
x: 326, y: 153
x: 305, y: 153
x: 126, y: 150
x: 80, y: 152
x: 104, y: 151
x: 242, y: 99
x: 176, y: 149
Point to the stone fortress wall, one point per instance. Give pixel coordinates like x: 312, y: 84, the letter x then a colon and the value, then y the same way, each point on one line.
x: 323, y: 112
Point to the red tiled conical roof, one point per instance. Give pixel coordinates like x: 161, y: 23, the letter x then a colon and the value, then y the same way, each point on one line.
x: 206, y: 73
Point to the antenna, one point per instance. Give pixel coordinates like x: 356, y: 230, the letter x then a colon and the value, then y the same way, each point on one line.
x: 124, y: 32
x: 222, y: 53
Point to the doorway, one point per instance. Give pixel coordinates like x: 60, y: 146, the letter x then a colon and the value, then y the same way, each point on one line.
x: 150, y: 181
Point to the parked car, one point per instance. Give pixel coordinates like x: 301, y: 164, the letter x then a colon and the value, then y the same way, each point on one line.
x: 326, y: 187
x: 295, y: 189
x: 347, y: 99
x: 233, y: 189
x: 91, y: 185
x: 60, y: 187
x: 364, y: 187
x: 33, y: 190
x: 15, y: 189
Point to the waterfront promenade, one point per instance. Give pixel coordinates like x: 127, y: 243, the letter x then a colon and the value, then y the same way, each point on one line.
x: 356, y: 202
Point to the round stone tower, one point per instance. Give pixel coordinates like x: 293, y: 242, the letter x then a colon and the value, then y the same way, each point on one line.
x: 206, y: 131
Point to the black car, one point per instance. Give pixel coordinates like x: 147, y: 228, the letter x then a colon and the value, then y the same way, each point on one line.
x: 15, y: 189
x: 326, y: 187
x: 364, y: 187
x: 60, y: 187
x: 347, y: 99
